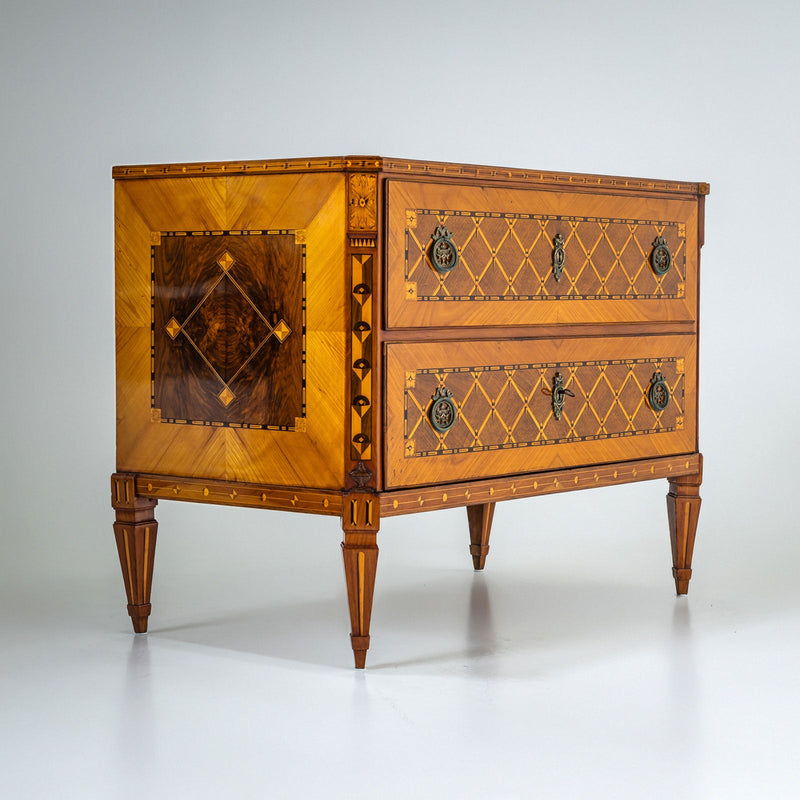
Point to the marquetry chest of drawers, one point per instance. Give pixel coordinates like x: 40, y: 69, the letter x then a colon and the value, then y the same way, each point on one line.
x: 365, y: 337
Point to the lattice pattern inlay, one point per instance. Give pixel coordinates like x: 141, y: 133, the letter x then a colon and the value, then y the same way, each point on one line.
x: 509, y: 256
x: 510, y: 406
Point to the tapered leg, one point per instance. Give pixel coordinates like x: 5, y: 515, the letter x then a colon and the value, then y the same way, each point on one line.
x: 480, y: 526
x: 683, y: 509
x: 360, y: 550
x: 135, y: 531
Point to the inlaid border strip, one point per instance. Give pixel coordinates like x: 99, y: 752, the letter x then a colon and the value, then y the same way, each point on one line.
x: 196, y: 490
x: 409, y: 167
x: 409, y: 501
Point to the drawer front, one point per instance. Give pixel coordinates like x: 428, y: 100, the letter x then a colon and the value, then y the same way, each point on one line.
x: 462, y: 410
x: 488, y: 256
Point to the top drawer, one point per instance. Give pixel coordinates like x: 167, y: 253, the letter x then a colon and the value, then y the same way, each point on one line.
x: 621, y: 258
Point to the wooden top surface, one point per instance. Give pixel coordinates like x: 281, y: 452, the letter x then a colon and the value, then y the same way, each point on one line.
x: 407, y: 167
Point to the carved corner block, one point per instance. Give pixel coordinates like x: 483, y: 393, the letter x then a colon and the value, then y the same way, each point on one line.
x: 362, y: 204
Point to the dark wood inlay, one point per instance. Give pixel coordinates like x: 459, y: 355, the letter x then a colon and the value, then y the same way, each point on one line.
x: 229, y: 328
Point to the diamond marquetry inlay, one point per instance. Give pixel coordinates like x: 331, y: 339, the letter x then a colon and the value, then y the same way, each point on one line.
x: 222, y: 304
x: 281, y: 331
x: 226, y: 261
x: 173, y: 328
x: 227, y: 328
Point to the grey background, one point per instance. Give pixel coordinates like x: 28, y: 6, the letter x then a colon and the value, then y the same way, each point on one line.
x: 682, y: 90
x: 689, y: 90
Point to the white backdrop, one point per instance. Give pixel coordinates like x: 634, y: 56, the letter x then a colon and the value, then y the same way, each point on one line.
x: 691, y: 89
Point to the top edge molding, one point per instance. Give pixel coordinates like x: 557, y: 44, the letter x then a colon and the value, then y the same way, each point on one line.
x: 397, y: 167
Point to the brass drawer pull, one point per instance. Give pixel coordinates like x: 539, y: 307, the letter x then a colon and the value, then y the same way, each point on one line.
x: 559, y: 393
x: 443, y: 411
x: 660, y: 257
x: 443, y: 253
x: 658, y: 393
x: 559, y: 257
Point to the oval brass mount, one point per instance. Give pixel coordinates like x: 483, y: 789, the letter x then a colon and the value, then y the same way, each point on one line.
x: 658, y: 393
x: 660, y: 257
x: 443, y: 253
x: 443, y: 412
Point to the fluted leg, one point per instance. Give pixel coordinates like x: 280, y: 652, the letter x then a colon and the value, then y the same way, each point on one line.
x: 480, y: 526
x: 360, y: 550
x: 683, y: 509
x: 135, y: 531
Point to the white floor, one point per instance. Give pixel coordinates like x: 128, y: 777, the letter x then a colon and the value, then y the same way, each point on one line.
x: 567, y: 669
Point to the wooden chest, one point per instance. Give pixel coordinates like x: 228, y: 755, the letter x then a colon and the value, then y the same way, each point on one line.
x: 365, y: 337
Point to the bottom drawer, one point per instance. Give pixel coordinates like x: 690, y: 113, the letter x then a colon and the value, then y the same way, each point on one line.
x: 462, y: 410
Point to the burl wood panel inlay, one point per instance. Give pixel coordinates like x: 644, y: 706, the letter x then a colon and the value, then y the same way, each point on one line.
x: 509, y: 256
x: 228, y: 331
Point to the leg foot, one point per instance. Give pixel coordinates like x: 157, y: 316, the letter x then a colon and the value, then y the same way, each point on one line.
x: 480, y: 526
x: 683, y: 509
x: 360, y: 551
x: 135, y: 532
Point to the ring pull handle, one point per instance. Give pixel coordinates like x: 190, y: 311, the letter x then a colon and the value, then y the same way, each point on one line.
x: 559, y: 256
x: 443, y: 253
x: 658, y: 393
x: 443, y: 412
x: 559, y: 393
x: 660, y: 256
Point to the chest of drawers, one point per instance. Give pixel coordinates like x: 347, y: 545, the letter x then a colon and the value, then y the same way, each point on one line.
x: 366, y: 337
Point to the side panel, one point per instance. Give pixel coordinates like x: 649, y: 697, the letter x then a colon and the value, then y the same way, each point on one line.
x: 231, y: 328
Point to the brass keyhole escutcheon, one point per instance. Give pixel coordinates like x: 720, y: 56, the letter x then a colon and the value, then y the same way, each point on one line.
x: 559, y: 256
x: 559, y: 394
